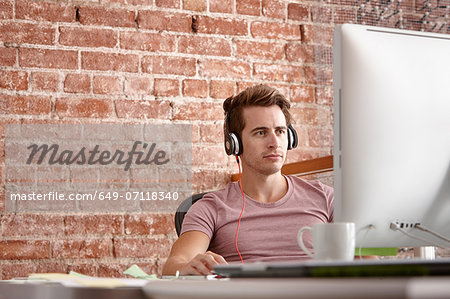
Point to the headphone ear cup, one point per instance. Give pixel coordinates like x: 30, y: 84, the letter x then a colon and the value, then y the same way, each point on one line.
x: 292, y: 138
x: 237, y: 144
x: 229, y: 144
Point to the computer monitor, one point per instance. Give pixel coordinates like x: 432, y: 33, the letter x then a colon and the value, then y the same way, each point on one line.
x: 392, y: 135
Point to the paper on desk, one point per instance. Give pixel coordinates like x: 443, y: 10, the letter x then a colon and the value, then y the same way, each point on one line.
x: 137, y: 272
x: 71, y: 280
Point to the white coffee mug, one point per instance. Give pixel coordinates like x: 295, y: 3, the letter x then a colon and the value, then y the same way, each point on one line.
x: 331, y: 241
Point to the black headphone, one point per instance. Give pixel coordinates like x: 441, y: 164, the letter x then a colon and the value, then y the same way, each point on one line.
x: 233, y: 143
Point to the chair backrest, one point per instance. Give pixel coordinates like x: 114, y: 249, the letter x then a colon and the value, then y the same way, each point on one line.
x: 183, y: 208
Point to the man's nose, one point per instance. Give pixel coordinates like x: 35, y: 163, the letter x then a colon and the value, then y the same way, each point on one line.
x: 274, y: 140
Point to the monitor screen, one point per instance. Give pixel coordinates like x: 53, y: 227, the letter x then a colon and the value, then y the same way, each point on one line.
x: 392, y: 135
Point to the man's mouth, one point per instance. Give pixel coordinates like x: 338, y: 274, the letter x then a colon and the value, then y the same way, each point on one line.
x: 273, y: 156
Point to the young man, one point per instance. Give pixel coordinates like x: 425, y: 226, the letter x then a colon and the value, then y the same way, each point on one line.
x: 259, y: 222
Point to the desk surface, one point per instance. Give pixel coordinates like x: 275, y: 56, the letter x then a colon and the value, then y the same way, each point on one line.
x: 413, y: 287
x: 417, y: 287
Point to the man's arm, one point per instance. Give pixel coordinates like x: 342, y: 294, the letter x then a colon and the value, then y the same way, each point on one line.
x: 189, y: 255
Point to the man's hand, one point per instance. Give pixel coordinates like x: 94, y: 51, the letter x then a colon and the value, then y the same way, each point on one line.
x: 202, y: 264
x: 189, y: 256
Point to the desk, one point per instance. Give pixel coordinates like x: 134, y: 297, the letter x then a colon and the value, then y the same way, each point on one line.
x: 58, y: 291
x: 311, y: 288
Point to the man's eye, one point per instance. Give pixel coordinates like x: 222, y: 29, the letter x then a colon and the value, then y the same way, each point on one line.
x: 261, y: 133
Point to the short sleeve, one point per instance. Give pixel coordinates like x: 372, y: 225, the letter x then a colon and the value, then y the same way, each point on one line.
x: 201, y: 216
x: 329, y: 195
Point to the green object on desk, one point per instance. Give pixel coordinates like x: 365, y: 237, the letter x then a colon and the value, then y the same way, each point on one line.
x: 137, y: 272
x: 389, y: 251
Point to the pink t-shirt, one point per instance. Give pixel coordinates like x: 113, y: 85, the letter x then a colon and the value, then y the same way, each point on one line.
x: 268, y: 231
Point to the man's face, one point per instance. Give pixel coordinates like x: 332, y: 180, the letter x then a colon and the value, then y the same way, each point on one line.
x: 264, y: 139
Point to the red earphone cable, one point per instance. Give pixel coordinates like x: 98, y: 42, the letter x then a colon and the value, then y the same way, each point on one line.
x: 242, y: 211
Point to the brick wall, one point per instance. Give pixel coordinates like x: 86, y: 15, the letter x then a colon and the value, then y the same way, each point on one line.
x: 163, y: 61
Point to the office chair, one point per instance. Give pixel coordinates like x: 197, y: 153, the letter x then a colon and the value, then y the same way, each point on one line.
x: 183, y: 208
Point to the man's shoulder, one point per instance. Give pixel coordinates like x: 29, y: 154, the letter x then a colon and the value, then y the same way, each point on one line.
x: 220, y: 194
x: 304, y: 183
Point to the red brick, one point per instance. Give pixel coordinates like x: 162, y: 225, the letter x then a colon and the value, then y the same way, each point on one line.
x: 153, y: 42
x: 323, y: 75
x: 148, y: 224
x: 138, y: 86
x: 25, y: 33
x: 222, y: 26
x: 84, y: 248
x: 275, y: 31
x: 51, y: 267
x: 168, y: 3
x: 298, y: 12
x: 87, y: 37
x: 42, y: 58
x: 15, y: 80
x: 209, y: 155
x: 52, y: 11
x: 320, y: 138
x: 196, y: 5
x: 143, y: 109
x: 307, y: 33
x: 298, y: 52
x: 136, y: 2
x: 110, y: 62
x: 169, y: 65
x: 7, y: 56
x: 203, y: 180
x: 107, y: 84
x: 164, y: 21
x: 260, y: 50
x: 17, y: 270
x: 225, y: 68
x: 324, y: 95
x: 6, y: 9
x: 192, y: 111
x: 302, y: 93
x: 322, y: 35
x: 44, y: 81
x: 221, y: 89
x: 321, y: 14
x: 167, y: 87
x: 24, y: 249
x: 100, y: 15
x: 83, y: 108
x: 25, y: 105
x: 111, y: 270
x: 204, y: 45
x: 195, y: 133
x: 195, y: 88
x: 211, y: 133
x: 32, y: 225
x: 140, y: 248
x: 93, y: 224
x: 77, y: 83
x: 274, y: 9
x: 89, y: 269
x: 346, y: 15
x: 248, y: 7
x: 273, y: 72
x: 223, y: 6
x: 305, y: 116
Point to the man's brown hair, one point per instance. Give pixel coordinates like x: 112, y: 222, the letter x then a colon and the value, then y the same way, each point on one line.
x: 258, y: 95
